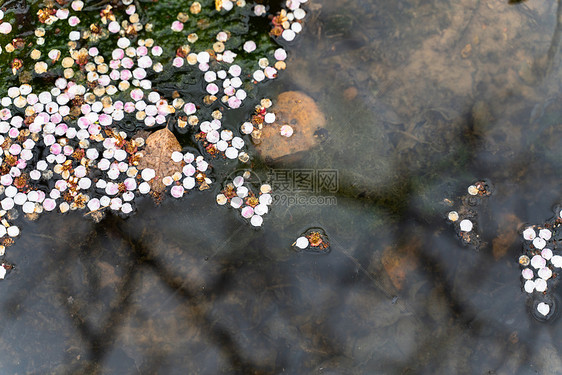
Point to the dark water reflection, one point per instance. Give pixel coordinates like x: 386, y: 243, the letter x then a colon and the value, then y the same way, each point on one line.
x: 423, y: 98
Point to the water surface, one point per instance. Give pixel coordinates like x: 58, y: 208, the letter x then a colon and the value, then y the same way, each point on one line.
x: 422, y: 99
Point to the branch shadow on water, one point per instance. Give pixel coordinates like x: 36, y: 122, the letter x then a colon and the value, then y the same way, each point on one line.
x: 101, y: 303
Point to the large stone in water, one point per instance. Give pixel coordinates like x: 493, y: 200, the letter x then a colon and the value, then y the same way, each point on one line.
x: 298, y: 110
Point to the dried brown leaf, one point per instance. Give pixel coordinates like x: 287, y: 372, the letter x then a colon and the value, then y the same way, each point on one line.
x: 157, y: 155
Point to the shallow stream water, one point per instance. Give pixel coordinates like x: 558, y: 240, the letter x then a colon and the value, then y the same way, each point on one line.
x: 422, y: 99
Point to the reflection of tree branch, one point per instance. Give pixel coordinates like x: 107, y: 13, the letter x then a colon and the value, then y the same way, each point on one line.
x: 99, y: 335
x: 36, y: 279
x: 218, y: 334
x: 543, y: 66
x: 98, y: 5
x: 100, y: 340
x: 22, y: 13
x: 467, y: 25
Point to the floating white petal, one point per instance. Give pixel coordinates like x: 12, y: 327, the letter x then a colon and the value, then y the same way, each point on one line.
x: 538, y: 262
x: 286, y: 131
x: 529, y: 286
x: 256, y: 220
x: 148, y: 174
x: 539, y: 243
x: 453, y: 216
x: 247, y: 212
x: 236, y: 202
x: 545, y: 234
x: 545, y: 273
x: 302, y: 242
x: 543, y: 308
x: 261, y: 209
x: 13, y: 231
x: 177, y: 156
x: 546, y: 253
x: 221, y: 199
x: 527, y: 274
x: 540, y: 285
x: 144, y: 188
x: 556, y: 261
x: 529, y: 234
x: 466, y: 225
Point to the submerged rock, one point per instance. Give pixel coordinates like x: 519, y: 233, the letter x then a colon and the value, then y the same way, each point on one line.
x: 300, y: 112
x: 401, y: 262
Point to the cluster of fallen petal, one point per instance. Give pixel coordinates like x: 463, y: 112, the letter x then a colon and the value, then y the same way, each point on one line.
x: 84, y: 87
